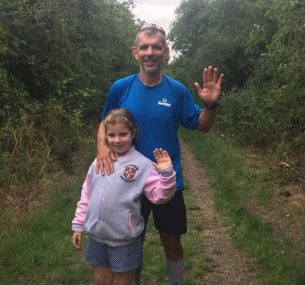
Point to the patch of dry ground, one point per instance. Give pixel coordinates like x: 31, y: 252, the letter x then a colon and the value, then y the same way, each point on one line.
x: 230, y: 266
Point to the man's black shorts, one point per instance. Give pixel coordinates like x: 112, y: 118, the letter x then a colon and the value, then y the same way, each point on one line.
x: 169, y: 218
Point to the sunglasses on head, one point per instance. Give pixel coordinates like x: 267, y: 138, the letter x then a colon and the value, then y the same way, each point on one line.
x: 146, y: 26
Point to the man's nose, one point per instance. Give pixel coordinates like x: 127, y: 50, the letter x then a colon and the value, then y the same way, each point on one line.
x: 149, y: 51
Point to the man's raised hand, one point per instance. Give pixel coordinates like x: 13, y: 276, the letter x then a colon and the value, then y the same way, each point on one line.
x: 211, y: 90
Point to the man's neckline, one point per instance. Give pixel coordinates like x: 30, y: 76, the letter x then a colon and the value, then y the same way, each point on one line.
x: 153, y: 84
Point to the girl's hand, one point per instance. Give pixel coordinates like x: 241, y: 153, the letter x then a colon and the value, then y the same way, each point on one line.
x: 162, y: 158
x: 77, y: 240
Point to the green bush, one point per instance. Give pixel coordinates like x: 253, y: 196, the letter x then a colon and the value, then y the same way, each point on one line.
x: 24, y: 157
x: 30, y: 143
x: 271, y: 116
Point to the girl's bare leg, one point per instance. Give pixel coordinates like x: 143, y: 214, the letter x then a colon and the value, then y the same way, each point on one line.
x: 125, y: 278
x: 103, y: 275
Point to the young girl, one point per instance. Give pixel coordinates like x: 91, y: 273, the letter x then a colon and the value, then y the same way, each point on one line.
x: 109, y: 209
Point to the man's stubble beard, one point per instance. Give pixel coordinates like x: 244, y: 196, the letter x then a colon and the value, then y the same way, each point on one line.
x: 156, y: 70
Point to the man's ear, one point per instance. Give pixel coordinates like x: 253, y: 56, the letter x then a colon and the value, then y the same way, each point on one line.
x: 134, y: 53
x: 166, y: 54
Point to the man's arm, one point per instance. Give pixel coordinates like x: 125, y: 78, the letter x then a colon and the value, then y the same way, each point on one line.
x: 210, y: 94
x: 206, y: 120
x: 105, y: 157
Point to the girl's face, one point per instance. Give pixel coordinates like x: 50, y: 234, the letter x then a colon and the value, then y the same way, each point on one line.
x: 119, y: 138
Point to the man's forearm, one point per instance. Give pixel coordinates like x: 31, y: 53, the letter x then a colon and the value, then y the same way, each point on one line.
x: 101, y: 136
x: 105, y: 158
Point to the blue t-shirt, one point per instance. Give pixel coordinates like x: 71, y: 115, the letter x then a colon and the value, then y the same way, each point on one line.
x: 158, y: 111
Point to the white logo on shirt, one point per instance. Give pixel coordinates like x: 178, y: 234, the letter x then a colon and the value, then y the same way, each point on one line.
x: 164, y: 103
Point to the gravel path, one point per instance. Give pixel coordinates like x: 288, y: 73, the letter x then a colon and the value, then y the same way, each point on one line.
x: 230, y: 266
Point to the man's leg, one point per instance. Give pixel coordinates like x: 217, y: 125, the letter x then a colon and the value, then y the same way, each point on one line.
x: 170, y: 221
x: 174, y: 257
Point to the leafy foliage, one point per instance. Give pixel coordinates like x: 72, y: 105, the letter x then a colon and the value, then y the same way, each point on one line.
x: 259, y: 46
x: 57, y: 60
x: 214, y: 33
x: 56, y: 45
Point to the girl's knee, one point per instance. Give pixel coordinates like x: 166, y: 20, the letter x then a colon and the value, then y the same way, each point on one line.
x: 103, y: 276
x: 125, y: 282
x: 126, y: 278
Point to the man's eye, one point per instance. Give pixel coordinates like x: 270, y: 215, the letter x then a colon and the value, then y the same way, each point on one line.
x: 157, y: 47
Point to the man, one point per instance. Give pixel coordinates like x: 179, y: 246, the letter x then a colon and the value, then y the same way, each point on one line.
x: 160, y: 105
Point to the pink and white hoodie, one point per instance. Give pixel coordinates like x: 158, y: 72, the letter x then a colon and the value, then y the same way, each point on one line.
x: 109, y: 209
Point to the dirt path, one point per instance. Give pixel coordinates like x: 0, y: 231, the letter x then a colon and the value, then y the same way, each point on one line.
x: 230, y: 266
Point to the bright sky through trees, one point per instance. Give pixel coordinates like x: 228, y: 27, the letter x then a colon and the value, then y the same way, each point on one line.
x: 160, y: 12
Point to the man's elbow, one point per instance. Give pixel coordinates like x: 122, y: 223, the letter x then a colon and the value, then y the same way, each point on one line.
x: 204, y: 128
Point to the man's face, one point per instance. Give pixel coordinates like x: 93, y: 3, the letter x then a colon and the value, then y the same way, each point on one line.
x: 150, y: 52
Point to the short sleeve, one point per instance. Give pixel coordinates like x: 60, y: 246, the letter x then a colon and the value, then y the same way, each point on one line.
x: 189, y: 110
x: 113, y: 100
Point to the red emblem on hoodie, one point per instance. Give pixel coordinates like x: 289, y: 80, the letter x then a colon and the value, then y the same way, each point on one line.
x: 129, y: 172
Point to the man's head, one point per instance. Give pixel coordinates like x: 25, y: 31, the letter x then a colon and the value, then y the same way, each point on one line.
x: 150, y: 49
x: 150, y: 30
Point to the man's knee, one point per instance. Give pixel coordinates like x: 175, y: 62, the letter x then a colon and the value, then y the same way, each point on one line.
x: 172, y: 246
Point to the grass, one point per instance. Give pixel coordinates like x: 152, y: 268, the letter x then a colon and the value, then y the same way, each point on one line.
x: 39, y: 251
x: 234, y: 186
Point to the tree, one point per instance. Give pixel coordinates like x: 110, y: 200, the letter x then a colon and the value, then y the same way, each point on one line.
x: 259, y: 45
x: 56, y: 46
x: 57, y: 59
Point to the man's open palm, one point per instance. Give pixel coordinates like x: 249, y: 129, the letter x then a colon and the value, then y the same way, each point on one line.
x: 211, y: 90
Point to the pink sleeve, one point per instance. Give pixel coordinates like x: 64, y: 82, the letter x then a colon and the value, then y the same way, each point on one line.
x: 160, y: 187
x: 82, y: 205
